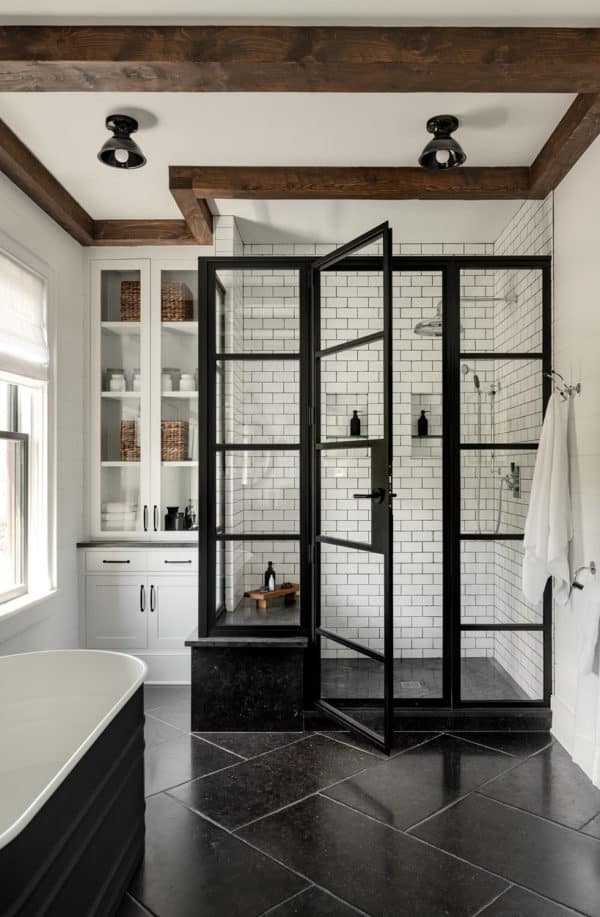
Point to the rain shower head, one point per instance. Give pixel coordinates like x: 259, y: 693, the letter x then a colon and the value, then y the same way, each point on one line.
x: 433, y: 327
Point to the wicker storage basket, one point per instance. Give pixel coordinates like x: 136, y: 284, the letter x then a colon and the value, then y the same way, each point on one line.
x: 176, y: 302
x: 174, y: 440
x: 130, y: 301
x: 130, y: 449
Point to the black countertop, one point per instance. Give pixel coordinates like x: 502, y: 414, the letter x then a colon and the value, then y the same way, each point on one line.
x: 111, y: 543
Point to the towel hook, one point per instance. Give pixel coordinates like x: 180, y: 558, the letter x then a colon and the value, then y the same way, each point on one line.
x: 566, y: 391
x: 591, y: 567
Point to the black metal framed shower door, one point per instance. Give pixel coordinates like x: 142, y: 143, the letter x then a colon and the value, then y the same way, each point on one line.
x: 364, y: 550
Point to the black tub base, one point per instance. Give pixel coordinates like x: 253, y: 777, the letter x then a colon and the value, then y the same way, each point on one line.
x: 77, y: 856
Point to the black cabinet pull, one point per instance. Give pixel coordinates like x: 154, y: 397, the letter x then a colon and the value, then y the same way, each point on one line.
x: 155, y: 513
x: 116, y: 561
x: 145, y: 518
x: 142, y: 598
x: 178, y: 561
x: 152, y: 599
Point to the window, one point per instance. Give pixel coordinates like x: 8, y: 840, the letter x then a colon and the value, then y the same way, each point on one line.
x: 24, y: 357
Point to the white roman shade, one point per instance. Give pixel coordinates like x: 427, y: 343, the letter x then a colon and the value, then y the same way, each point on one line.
x: 23, y: 338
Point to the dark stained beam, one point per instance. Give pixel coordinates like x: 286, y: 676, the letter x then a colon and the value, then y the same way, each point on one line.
x: 354, y: 183
x: 142, y: 232
x: 196, y: 211
x: 297, y: 59
x: 27, y: 172
x: 570, y: 139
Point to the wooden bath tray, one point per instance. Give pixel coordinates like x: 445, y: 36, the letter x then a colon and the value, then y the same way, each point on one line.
x: 262, y: 599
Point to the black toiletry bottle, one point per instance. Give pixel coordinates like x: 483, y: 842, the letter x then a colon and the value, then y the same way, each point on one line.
x: 355, y: 424
x: 270, y: 578
x: 423, y: 424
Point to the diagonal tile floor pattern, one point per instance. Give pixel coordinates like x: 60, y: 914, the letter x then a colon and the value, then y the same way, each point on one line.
x: 320, y: 825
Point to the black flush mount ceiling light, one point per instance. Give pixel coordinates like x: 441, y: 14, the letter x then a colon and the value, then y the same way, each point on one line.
x: 120, y: 151
x: 443, y: 152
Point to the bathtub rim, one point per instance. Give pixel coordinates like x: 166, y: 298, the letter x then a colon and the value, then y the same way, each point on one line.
x: 15, y: 828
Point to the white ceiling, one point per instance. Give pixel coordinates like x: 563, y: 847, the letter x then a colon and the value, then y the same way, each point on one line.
x: 66, y: 130
x: 317, y: 12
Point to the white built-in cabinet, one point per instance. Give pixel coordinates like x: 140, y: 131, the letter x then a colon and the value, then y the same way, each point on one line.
x: 139, y: 586
x: 132, y: 481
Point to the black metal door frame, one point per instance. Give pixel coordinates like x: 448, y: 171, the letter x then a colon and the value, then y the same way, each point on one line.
x: 449, y: 268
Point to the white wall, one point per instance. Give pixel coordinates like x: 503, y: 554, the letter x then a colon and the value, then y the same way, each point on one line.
x: 54, y: 622
x: 576, y: 346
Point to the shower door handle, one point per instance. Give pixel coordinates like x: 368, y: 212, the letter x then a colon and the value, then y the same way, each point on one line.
x: 377, y: 495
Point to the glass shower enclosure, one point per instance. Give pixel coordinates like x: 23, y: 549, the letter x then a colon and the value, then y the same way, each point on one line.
x: 396, y: 547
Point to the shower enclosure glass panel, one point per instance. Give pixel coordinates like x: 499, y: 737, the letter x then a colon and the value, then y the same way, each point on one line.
x: 245, y: 563
x: 503, y: 391
x: 353, y: 532
x: 262, y: 312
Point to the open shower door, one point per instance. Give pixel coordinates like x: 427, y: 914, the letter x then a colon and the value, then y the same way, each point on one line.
x: 352, y: 492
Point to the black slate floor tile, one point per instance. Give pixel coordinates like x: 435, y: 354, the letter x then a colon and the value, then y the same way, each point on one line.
x: 517, y: 902
x: 554, y: 861
x: 551, y: 785
x: 421, y: 781
x: 369, y: 865
x: 166, y: 695
x: 192, y: 867
x: 513, y: 743
x: 251, y: 744
x: 178, y: 715
x: 156, y: 732
x: 314, y: 902
x: 170, y: 763
x: 131, y: 908
x: 259, y: 786
x: 402, y: 741
x: 592, y: 827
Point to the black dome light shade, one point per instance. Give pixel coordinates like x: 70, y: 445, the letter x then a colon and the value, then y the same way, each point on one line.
x: 120, y: 151
x: 443, y: 152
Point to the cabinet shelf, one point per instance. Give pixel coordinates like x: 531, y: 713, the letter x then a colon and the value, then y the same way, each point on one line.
x: 180, y: 327
x: 120, y: 464
x: 428, y: 436
x: 193, y: 394
x: 189, y: 463
x: 121, y: 394
x: 121, y: 327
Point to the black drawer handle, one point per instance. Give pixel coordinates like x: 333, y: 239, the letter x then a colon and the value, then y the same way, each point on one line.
x: 177, y: 561
x: 116, y: 561
x: 142, y: 598
x: 152, y: 598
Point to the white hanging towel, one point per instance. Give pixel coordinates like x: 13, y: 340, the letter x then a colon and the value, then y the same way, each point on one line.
x: 548, y: 529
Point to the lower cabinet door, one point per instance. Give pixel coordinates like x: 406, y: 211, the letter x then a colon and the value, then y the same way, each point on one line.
x: 117, y: 610
x: 173, y: 610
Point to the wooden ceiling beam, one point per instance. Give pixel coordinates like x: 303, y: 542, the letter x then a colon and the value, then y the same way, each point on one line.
x: 196, y: 211
x: 142, y: 232
x: 354, y: 183
x: 576, y: 131
x: 27, y: 172
x: 297, y: 59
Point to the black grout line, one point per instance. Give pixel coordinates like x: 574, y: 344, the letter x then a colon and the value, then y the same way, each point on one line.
x: 140, y: 903
x: 216, y: 745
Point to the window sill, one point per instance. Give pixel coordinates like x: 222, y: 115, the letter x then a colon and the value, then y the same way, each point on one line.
x: 24, y: 612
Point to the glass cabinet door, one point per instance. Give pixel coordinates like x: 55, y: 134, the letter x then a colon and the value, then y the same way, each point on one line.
x: 174, y: 508
x: 120, y: 392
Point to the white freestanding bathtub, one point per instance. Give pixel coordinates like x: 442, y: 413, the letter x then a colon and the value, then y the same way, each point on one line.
x: 71, y: 780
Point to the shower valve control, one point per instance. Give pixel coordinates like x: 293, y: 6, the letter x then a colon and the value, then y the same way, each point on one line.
x: 513, y: 480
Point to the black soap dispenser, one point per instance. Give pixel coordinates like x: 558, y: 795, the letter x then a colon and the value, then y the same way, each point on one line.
x: 423, y: 424
x: 270, y: 578
x: 355, y: 424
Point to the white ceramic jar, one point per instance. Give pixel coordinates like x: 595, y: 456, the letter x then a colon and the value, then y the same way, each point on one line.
x: 187, y: 383
x: 117, y: 382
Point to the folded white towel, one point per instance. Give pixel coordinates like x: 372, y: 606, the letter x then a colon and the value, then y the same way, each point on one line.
x: 119, y: 517
x: 119, y: 507
x: 119, y: 525
x: 548, y: 529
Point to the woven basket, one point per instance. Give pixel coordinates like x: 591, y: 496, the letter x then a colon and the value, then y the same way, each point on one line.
x: 177, y: 303
x: 174, y: 440
x: 130, y: 301
x: 130, y: 450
